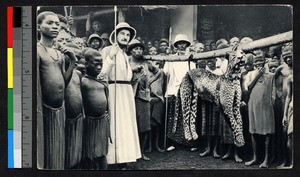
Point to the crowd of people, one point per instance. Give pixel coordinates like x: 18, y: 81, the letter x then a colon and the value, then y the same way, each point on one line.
x: 103, y: 105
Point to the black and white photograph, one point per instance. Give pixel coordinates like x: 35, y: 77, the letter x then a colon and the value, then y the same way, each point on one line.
x: 164, y: 87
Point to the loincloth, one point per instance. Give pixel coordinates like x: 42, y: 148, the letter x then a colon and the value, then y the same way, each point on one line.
x: 142, y: 115
x: 157, y: 108
x: 54, y: 137
x: 74, y: 129
x: 95, y: 136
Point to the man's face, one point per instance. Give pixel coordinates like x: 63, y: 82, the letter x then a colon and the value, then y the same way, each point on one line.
x: 63, y: 37
x: 96, y: 26
x: 211, y: 63
x: 273, y: 68
x: 95, y: 43
x: 156, y: 43
x: 152, y: 51
x: 163, y: 47
x: 249, y: 66
x: 79, y: 42
x: 199, y: 47
x: 234, y: 41
x: 137, y: 52
x: 181, y: 46
x: 123, y: 37
x: 149, y: 44
x: 259, y: 64
x: 288, y: 60
x: 201, y: 63
x: 50, y: 26
x: 94, y: 65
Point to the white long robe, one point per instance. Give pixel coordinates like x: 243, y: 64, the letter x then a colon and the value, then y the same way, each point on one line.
x: 125, y: 147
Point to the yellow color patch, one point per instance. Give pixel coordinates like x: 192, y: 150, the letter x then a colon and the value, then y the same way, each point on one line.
x: 10, y: 68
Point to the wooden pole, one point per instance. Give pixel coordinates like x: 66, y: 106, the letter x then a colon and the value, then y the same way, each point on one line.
x: 257, y: 44
x: 115, y: 104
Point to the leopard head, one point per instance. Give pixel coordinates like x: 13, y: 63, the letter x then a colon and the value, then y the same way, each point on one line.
x: 236, y: 60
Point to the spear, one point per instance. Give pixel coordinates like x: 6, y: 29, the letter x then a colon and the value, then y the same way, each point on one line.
x: 115, y: 104
x: 167, y: 100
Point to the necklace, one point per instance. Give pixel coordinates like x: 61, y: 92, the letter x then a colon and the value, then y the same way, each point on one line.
x: 55, y: 59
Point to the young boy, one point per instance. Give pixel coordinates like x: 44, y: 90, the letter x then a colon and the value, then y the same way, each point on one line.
x: 52, y: 79
x: 95, y: 102
x: 157, y: 84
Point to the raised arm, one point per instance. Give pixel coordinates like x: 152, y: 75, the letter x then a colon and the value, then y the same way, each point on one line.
x: 278, y: 71
x: 68, y: 73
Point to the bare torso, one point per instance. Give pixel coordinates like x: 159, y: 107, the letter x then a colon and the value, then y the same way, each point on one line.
x: 73, y: 96
x: 281, y: 81
x: 94, y: 97
x: 51, y: 78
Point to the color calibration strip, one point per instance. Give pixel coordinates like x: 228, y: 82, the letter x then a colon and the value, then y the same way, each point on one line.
x: 10, y: 83
x: 19, y: 39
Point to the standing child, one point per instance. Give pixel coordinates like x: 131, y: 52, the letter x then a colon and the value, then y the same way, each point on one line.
x: 157, y: 102
x: 95, y: 102
x: 52, y: 79
x: 261, y: 113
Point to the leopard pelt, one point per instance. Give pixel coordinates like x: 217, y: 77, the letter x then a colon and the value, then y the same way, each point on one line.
x: 224, y: 92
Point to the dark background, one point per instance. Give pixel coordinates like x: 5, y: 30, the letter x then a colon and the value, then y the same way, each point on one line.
x: 183, y: 173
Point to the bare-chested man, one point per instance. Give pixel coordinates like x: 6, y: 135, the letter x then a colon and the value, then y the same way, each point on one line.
x: 95, y: 101
x: 52, y: 79
x: 281, y: 75
x: 287, y: 122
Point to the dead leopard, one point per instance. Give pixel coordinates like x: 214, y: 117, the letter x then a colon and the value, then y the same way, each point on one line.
x: 224, y: 91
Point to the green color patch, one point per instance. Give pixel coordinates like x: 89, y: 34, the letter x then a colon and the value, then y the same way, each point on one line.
x: 10, y: 109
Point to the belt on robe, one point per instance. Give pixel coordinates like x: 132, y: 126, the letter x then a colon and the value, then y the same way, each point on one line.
x: 119, y: 82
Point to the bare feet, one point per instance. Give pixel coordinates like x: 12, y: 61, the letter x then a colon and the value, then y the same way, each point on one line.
x: 216, y: 155
x: 193, y: 149
x: 281, y: 165
x: 251, y: 162
x: 285, y: 167
x: 264, y: 165
x: 238, y: 159
x: 144, y: 157
x: 226, y: 156
x: 171, y: 148
x: 159, y: 150
x: 205, y: 153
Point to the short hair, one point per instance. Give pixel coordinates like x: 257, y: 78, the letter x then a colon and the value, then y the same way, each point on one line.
x: 43, y: 15
x: 90, y: 53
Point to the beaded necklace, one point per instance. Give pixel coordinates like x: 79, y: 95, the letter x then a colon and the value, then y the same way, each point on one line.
x: 49, y: 53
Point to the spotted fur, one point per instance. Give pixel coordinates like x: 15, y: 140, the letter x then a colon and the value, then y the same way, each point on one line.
x: 223, y: 91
